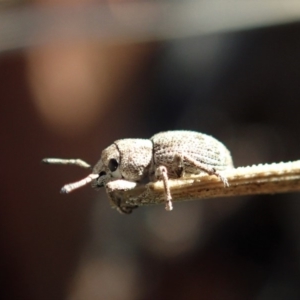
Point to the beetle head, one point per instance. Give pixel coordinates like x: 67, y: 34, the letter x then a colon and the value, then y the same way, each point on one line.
x: 127, y: 159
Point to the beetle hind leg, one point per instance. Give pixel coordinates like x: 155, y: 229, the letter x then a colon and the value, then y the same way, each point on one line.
x: 206, y: 169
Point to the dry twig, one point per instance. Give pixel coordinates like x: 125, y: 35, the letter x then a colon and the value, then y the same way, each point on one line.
x: 258, y: 179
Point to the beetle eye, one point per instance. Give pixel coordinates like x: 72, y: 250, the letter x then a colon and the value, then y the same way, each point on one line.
x: 113, y: 165
x: 102, y: 173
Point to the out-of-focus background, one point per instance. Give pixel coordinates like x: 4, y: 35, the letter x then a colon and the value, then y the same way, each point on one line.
x: 77, y: 75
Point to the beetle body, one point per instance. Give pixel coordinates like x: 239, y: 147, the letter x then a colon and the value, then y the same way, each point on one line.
x: 170, y: 154
x: 136, y: 159
x: 172, y: 146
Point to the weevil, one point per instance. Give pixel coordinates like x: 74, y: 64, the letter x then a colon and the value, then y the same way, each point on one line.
x: 166, y: 155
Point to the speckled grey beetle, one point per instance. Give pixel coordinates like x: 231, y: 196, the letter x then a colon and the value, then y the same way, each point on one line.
x: 170, y: 154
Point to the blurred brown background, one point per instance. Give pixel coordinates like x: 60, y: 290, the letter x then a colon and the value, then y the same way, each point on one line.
x: 74, y: 98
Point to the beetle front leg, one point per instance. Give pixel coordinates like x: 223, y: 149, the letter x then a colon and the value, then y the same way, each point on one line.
x: 113, y: 188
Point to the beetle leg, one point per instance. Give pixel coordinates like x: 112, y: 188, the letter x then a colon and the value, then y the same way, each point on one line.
x: 161, y: 173
x: 113, y: 188
x: 205, y: 168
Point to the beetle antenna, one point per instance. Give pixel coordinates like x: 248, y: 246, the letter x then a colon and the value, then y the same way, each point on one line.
x: 60, y: 161
x: 75, y: 185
